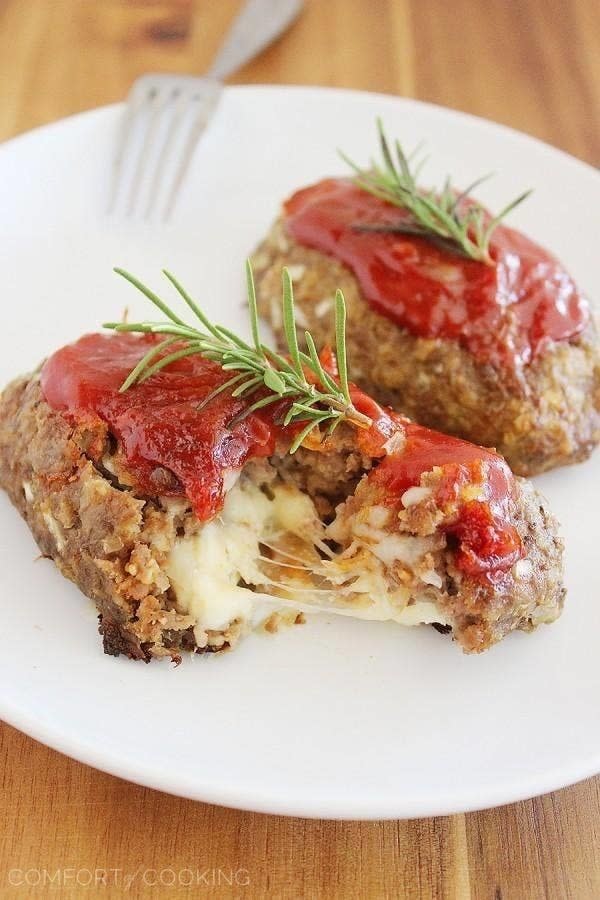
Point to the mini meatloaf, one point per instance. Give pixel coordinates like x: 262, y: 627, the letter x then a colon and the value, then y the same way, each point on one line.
x: 188, y: 531
x: 504, y: 355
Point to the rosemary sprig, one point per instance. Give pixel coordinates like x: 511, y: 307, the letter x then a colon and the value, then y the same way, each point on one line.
x: 446, y: 216
x: 315, y: 400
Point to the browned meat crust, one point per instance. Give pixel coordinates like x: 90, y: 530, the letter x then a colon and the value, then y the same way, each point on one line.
x: 482, y: 614
x: 108, y: 541
x: 113, y: 543
x: 552, y: 421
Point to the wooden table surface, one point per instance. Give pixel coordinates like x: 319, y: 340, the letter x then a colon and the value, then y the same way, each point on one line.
x: 533, y: 64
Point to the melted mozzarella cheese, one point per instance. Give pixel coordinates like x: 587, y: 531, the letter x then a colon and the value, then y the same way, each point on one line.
x: 206, y: 569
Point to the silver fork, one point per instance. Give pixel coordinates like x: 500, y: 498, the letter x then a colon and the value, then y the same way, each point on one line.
x: 166, y: 115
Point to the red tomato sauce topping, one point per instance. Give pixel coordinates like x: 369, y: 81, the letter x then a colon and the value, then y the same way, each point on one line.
x: 157, y: 423
x: 487, y: 542
x: 505, y: 314
x: 158, y: 426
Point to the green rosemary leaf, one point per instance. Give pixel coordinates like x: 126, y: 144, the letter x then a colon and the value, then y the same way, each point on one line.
x: 273, y: 381
x: 299, y: 439
x: 340, y: 343
x: 385, y: 150
x: 232, y: 366
x: 278, y: 360
x: 404, y: 166
x: 145, y: 362
x: 154, y: 298
x: 300, y: 411
x: 227, y: 334
x: 260, y: 404
x: 142, y: 327
x: 289, y: 322
x: 255, y: 366
x: 191, y: 303
x: 227, y: 385
x: 334, y: 424
x: 184, y: 332
x: 323, y: 376
x: 465, y: 194
x: 507, y: 209
x: 252, y: 306
x: 297, y: 408
x: 190, y: 350
x: 441, y: 215
x: 248, y: 386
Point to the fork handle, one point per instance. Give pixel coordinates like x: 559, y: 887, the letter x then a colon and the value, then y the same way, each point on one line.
x: 259, y: 23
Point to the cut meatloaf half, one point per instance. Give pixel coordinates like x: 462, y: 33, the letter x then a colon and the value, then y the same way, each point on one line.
x: 312, y: 531
x: 551, y: 419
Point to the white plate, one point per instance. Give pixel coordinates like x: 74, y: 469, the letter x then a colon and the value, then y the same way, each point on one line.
x: 337, y: 718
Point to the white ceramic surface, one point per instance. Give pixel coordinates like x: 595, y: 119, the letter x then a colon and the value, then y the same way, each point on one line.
x: 337, y: 718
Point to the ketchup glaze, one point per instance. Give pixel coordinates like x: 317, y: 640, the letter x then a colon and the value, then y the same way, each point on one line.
x: 159, y: 426
x: 157, y: 423
x: 487, y: 542
x: 505, y: 314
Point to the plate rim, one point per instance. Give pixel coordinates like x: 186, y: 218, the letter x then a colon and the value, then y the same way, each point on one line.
x: 341, y: 808
x: 260, y: 801
x: 328, y: 89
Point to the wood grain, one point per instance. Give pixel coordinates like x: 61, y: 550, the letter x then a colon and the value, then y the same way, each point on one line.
x: 532, y: 64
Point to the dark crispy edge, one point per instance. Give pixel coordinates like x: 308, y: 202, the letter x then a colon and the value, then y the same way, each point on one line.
x: 550, y: 420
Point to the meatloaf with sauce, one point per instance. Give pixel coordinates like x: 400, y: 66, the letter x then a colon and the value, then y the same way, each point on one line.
x: 188, y: 531
x: 504, y: 355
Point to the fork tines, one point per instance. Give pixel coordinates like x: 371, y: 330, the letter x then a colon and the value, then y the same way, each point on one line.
x: 165, y: 116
